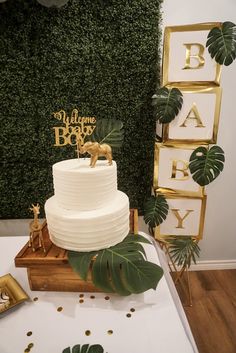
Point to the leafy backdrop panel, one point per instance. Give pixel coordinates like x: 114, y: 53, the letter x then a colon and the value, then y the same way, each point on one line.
x: 99, y: 56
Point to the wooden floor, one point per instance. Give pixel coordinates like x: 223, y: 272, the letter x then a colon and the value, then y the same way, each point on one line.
x: 212, y: 317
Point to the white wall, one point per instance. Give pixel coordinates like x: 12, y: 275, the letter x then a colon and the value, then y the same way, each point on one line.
x: 219, y: 242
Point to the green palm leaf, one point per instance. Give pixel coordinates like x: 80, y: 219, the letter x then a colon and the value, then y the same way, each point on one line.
x: 109, y: 131
x: 155, y: 210
x: 221, y: 43
x: 168, y: 103
x: 122, y: 268
x: 183, y: 250
x: 205, y: 165
x: 86, y: 348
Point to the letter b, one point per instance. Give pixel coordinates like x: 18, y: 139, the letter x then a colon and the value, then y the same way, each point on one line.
x: 198, y: 56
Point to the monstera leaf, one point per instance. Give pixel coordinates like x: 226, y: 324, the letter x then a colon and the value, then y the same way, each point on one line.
x: 221, y: 43
x: 183, y: 251
x: 168, y: 103
x: 155, y: 210
x: 95, y: 348
x: 122, y: 268
x: 205, y: 165
x: 109, y: 131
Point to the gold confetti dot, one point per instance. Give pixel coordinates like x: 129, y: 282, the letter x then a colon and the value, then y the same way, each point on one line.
x: 128, y: 315
x: 87, y: 333
x: 35, y: 299
x: 132, y: 310
x: 81, y: 301
x: 30, y: 345
x: 107, y: 297
x: 110, y: 332
x: 92, y: 296
x: 29, y: 333
x: 81, y: 295
x: 27, y: 350
x: 60, y: 308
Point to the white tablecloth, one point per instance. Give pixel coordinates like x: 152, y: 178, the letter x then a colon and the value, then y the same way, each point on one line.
x: 158, y: 324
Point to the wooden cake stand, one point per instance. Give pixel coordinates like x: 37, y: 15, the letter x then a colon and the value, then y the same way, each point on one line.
x: 50, y: 270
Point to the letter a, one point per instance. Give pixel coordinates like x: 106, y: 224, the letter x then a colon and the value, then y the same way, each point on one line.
x: 195, y: 116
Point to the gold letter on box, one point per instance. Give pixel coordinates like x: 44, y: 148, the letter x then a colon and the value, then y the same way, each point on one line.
x: 179, y: 218
x: 195, y: 116
x: 185, y: 58
x: 199, y: 57
x: 171, y: 170
x: 176, y: 168
x: 198, y: 120
x: 185, y: 218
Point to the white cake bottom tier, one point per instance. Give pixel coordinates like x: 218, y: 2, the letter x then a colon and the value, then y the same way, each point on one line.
x: 88, y: 230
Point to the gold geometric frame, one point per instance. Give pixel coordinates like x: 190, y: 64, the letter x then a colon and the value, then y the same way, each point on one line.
x: 202, y: 90
x: 168, y: 191
x: 198, y: 236
x: 166, y: 54
x: 14, y: 290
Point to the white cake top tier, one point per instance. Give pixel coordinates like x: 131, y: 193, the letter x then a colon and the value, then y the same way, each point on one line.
x: 79, y: 187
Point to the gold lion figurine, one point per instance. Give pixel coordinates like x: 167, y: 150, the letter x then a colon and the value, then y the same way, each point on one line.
x: 96, y: 150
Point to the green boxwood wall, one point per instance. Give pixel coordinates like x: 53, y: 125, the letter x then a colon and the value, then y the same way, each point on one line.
x: 100, y: 56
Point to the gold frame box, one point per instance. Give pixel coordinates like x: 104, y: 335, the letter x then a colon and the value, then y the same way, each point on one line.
x: 13, y: 289
x: 171, y: 170
x: 198, y: 120
x: 185, y: 218
x: 186, y: 59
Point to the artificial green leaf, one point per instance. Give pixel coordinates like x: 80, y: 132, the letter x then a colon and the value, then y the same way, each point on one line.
x: 221, y: 43
x: 86, y: 348
x: 96, y: 348
x: 136, y: 238
x: 155, y: 210
x: 66, y: 350
x: 168, y: 103
x: 121, y: 268
x: 117, y: 278
x: 76, y: 348
x: 205, y: 165
x: 183, y: 250
x: 109, y: 131
x: 100, y: 273
x: 81, y: 262
x: 142, y: 275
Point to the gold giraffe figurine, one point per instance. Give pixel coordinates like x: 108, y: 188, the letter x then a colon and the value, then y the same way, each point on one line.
x: 96, y: 150
x: 36, y: 228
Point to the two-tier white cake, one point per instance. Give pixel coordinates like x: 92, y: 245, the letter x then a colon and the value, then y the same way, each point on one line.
x: 87, y: 211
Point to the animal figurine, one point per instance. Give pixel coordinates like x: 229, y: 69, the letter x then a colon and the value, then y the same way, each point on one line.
x: 4, y: 300
x: 36, y: 228
x: 96, y: 150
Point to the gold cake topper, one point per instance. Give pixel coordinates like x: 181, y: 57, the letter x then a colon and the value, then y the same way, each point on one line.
x: 75, y: 128
x: 95, y: 150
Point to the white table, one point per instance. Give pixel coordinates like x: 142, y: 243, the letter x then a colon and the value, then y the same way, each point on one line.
x: 158, y: 324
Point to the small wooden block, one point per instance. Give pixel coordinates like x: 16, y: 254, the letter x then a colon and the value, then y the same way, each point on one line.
x: 50, y: 270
